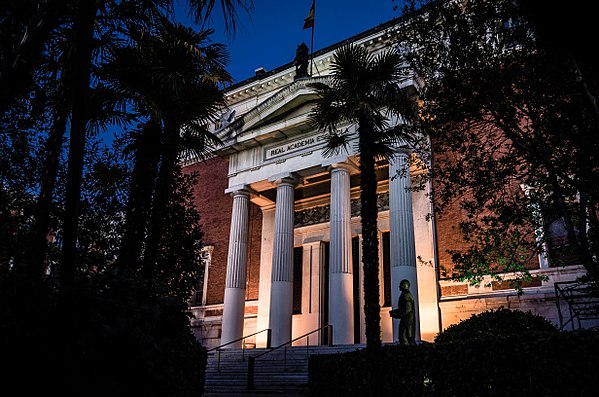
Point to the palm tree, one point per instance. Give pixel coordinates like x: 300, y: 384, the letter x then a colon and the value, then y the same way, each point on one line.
x: 32, y: 28
x: 173, y: 78
x: 189, y: 99
x: 364, y: 90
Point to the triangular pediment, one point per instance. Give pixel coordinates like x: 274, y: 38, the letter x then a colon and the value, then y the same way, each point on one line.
x: 288, y: 104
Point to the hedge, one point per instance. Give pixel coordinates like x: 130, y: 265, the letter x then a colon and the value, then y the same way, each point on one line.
x: 536, y: 364
x: 114, y: 338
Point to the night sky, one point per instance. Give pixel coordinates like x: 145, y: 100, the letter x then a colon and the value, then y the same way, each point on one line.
x: 268, y: 38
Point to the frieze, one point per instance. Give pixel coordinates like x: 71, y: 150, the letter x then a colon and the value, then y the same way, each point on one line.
x: 321, y: 214
x: 294, y: 146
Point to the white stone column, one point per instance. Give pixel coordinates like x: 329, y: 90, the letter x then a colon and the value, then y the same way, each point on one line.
x: 281, y: 292
x: 341, y: 306
x: 234, y: 302
x: 401, y: 220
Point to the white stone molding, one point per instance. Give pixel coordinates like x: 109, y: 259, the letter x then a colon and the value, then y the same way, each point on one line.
x: 539, y: 231
x: 206, y: 258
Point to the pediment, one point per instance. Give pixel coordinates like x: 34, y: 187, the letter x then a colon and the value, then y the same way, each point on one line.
x: 266, y: 119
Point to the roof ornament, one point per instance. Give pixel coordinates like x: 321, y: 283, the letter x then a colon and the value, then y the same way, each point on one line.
x: 225, y: 119
x: 301, y: 61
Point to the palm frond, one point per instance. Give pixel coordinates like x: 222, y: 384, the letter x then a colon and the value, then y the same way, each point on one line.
x: 336, y: 143
x: 197, y: 143
x: 202, y: 11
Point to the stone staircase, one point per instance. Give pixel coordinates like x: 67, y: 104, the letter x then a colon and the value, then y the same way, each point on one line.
x: 282, y: 372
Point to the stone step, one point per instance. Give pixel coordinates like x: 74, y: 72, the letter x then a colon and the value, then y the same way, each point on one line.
x: 293, y: 391
x: 280, y: 372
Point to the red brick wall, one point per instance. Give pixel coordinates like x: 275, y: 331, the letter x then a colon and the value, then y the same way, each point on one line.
x: 214, y: 207
x: 448, y: 238
x: 255, y: 243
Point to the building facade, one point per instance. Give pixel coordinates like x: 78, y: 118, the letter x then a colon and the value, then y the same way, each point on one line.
x: 282, y: 227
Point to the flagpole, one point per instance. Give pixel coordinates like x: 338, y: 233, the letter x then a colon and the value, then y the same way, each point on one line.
x: 312, y: 43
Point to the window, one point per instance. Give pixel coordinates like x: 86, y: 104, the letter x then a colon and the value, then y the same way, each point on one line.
x: 297, y: 279
x: 386, y: 269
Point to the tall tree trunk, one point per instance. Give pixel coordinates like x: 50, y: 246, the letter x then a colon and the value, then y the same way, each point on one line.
x: 370, y: 241
x: 162, y: 198
x: 81, y: 66
x: 370, y: 259
x: 139, y: 204
x: 41, y: 227
x: 16, y: 72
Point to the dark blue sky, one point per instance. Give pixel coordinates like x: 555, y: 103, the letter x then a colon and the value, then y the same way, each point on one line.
x: 269, y: 36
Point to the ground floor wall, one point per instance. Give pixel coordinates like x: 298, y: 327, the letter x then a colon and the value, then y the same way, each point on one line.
x: 441, y: 302
x: 459, y: 301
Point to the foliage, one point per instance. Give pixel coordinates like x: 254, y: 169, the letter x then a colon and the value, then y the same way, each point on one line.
x: 181, y: 242
x: 513, y: 125
x: 99, y: 333
x: 402, y: 372
x: 496, y: 323
x: 365, y: 90
x: 68, y: 315
x: 530, y: 363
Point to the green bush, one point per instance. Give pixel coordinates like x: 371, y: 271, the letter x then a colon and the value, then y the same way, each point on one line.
x: 397, y: 370
x: 496, y: 323
x: 563, y: 363
x: 106, y: 337
x: 494, y: 354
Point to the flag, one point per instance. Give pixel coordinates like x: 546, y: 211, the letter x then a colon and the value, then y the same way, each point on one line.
x: 309, y: 20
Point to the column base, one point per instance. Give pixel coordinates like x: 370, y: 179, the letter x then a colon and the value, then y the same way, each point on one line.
x: 281, y: 312
x: 341, y: 308
x: 233, y: 314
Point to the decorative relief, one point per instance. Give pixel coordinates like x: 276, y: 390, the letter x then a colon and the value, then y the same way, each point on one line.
x: 382, y: 201
x: 312, y: 216
x: 316, y: 215
x: 225, y: 119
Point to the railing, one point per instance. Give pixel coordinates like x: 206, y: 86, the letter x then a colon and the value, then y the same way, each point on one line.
x: 582, y: 299
x: 252, y: 359
x: 219, y: 348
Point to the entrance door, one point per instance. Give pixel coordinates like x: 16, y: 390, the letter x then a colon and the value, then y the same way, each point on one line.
x: 324, y: 291
x: 355, y: 255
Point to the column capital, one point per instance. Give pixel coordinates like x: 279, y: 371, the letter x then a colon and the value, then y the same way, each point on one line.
x: 238, y: 190
x: 287, y: 178
x: 403, y: 151
x: 342, y: 166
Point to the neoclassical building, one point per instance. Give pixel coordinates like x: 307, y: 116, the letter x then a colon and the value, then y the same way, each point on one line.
x: 282, y: 227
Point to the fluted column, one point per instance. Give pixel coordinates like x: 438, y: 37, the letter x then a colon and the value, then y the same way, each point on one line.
x: 281, y: 292
x: 234, y: 302
x: 403, y: 250
x: 340, y: 269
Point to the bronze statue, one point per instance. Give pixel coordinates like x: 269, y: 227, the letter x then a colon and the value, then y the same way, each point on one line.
x: 301, y: 61
x: 406, y: 314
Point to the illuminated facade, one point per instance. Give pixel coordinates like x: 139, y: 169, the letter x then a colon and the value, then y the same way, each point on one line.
x: 282, y: 225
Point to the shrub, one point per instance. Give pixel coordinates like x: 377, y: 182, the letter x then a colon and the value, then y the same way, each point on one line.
x: 106, y: 337
x: 496, y: 323
x: 494, y: 354
x: 398, y: 370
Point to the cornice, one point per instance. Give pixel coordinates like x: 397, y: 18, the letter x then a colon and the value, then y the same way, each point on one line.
x: 373, y: 39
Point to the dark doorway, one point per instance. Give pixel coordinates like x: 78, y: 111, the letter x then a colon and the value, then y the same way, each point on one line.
x: 324, y: 288
x: 355, y: 256
x: 298, y: 258
x: 386, y: 270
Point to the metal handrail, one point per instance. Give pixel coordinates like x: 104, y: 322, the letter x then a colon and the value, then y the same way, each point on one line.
x: 252, y: 359
x: 219, y: 348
